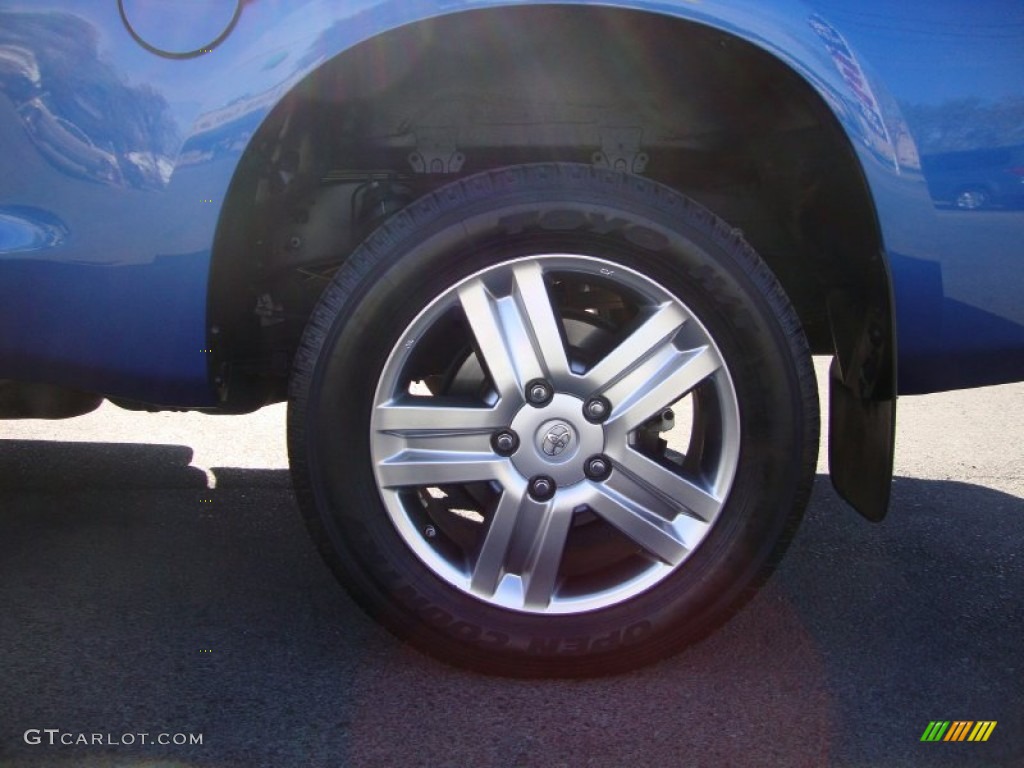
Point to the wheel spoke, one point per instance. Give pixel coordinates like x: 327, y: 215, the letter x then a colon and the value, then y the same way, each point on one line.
x: 653, y: 533
x: 676, y: 493
x: 521, y: 554
x: 663, y: 378
x: 654, y: 333
x: 417, y: 468
x: 537, y: 317
x: 540, y: 574
x: 493, y: 558
x: 518, y: 335
x: 433, y: 432
x: 405, y: 419
x: 484, y: 318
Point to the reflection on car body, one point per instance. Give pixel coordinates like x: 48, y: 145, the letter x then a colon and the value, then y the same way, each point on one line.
x: 983, y: 179
x: 66, y: 146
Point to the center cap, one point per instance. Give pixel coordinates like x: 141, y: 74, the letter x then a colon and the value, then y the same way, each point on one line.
x: 562, y: 440
x: 555, y: 438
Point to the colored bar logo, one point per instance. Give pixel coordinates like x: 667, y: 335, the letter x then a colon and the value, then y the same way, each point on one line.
x: 958, y: 730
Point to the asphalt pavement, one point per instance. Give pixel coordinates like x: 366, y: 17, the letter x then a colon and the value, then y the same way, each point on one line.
x: 155, y: 578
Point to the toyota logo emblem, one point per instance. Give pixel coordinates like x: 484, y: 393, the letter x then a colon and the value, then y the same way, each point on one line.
x: 556, y: 440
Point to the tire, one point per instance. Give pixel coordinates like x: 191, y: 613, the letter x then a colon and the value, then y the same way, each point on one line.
x: 572, y: 307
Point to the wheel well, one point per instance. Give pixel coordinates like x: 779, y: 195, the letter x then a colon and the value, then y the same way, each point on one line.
x: 395, y: 117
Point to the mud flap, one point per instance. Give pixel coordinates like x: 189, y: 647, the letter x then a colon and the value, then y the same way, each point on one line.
x: 861, y: 445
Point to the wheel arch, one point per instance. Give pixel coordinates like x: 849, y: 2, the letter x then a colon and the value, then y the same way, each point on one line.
x: 757, y: 96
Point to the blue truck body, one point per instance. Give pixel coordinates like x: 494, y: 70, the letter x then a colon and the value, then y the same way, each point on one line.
x: 119, y: 155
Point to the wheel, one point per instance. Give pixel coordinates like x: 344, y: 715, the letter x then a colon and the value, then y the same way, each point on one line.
x: 552, y: 420
x: 972, y: 198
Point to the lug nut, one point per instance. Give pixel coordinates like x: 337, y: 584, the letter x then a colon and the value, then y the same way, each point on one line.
x: 505, y: 442
x: 598, y: 467
x: 597, y: 409
x: 542, y: 488
x: 539, y: 392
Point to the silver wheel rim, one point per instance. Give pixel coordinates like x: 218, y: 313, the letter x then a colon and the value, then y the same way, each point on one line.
x: 473, y: 515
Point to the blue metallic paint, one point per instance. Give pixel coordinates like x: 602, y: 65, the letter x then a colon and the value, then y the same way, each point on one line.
x: 116, y: 162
